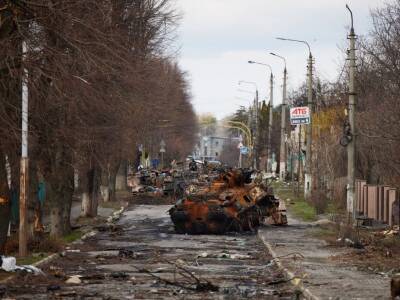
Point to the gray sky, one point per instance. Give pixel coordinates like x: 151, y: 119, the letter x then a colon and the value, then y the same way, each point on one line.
x: 218, y: 37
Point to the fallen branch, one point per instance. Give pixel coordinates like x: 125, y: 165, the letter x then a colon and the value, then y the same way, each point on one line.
x: 199, y: 284
x: 295, y: 254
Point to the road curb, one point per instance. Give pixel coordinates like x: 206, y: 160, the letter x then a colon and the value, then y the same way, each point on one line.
x: 298, y: 283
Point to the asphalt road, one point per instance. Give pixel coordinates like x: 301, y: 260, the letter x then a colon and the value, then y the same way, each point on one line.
x: 142, y: 258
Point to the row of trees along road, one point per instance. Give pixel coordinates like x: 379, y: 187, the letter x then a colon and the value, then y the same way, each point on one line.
x: 102, y: 79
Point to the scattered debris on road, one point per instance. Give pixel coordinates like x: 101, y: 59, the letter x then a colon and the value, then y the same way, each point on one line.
x: 8, y: 264
x: 149, y: 261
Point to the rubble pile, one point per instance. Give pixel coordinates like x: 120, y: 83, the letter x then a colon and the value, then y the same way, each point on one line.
x: 232, y: 202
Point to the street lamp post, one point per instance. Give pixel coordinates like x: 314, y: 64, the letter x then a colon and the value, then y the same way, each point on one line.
x: 351, y: 147
x: 271, y: 102
x: 307, y: 173
x: 255, y: 152
x: 282, y: 157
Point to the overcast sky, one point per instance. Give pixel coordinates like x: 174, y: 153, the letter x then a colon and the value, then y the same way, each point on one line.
x: 218, y: 37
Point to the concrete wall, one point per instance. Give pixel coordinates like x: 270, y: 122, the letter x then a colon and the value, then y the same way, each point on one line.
x: 378, y: 202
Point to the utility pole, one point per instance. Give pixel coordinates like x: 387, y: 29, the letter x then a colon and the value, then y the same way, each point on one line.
x: 299, y: 162
x: 282, y: 164
x: 256, y: 133
x: 282, y: 156
x: 351, y: 147
x: 307, y: 173
x: 251, y: 131
x: 271, y: 108
x: 255, y: 125
x: 292, y: 166
x: 269, y: 146
x: 24, y: 183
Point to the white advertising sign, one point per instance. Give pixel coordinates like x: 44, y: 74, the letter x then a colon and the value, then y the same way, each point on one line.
x: 300, y: 115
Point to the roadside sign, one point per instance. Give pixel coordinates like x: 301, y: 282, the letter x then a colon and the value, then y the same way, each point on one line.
x: 300, y: 115
x: 244, y: 150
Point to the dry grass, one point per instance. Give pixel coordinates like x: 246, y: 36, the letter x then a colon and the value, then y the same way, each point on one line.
x: 297, y: 205
x: 41, y: 243
x: 379, y: 253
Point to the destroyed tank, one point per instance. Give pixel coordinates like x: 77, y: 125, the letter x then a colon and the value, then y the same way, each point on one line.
x: 233, y: 202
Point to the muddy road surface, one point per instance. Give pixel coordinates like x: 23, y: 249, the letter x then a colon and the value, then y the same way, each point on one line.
x: 141, y: 257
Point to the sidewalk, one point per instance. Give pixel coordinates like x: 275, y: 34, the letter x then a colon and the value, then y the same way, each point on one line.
x: 76, y: 211
x: 322, y: 277
x: 102, y: 212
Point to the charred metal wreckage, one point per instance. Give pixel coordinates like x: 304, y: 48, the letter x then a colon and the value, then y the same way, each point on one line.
x: 232, y: 202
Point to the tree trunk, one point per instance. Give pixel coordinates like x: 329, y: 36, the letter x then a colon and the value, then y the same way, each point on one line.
x: 56, y: 226
x: 60, y: 197
x: 90, y: 195
x: 60, y: 189
x: 112, y: 180
x: 94, y: 189
x: 33, y: 207
x: 85, y: 208
x: 93, y: 192
x: 121, y: 178
x: 4, y: 203
x: 67, y: 204
x: 104, y: 187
